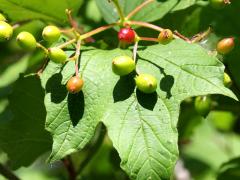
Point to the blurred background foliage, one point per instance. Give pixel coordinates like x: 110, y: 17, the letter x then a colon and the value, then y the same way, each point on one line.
x: 209, y: 147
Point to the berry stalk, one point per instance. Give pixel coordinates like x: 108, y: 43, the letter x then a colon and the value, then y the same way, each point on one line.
x: 138, y: 8
x: 98, y: 30
x: 77, y: 55
x: 119, y: 10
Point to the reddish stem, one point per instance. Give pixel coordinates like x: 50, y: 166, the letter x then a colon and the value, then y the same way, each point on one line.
x: 70, y: 168
x: 138, y: 8
x: 148, y: 39
x: 98, y: 30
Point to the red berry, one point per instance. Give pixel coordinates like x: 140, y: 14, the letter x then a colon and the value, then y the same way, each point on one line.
x: 75, y: 84
x: 126, y: 35
x: 225, y: 46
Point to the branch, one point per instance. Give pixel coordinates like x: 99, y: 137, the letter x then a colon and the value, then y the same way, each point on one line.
x: 176, y: 34
x: 7, y: 173
x: 67, y: 161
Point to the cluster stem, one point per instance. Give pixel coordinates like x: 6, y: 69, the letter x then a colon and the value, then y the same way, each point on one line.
x: 138, y: 8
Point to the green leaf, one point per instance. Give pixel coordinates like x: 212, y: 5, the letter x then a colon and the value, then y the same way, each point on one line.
x: 183, y: 4
x: 23, y: 137
x: 143, y: 127
x: 53, y: 10
x: 11, y: 74
x: 153, y: 11
x: 230, y: 170
x: 72, y: 119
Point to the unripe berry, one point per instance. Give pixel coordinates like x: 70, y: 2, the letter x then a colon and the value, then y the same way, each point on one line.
x: 6, y: 31
x: 57, y: 55
x: 165, y: 36
x: 51, y: 34
x: 26, y: 41
x: 2, y: 17
x: 74, y: 85
x: 126, y: 35
x: 225, y: 46
x: 203, y: 105
x: 123, y: 65
x: 227, y: 80
x: 146, y: 83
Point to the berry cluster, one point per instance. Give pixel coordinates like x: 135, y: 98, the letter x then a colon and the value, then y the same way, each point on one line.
x: 122, y: 65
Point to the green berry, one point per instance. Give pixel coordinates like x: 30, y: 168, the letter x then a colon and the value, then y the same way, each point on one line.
x: 57, y: 55
x: 203, y: 105
x: 26, y: 41
x: 146, y: 83
x: 165, y: 36
x: 2, y: 17
x: 227, y: 80
x: 123, y: 65
x: 75, y: 85
x: 51, y: 34
x: 225, y: 46
x: 6, y: 31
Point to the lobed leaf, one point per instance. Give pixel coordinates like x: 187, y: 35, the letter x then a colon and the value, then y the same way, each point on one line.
x: 143, y: 127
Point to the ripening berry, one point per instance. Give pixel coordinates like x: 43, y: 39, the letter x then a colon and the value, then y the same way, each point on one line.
x: 227, y: 80
x: 26, y: 41
x: 219, y: 4
x: 126, y: 35
x: 51, y: 34
x: 57, y: 55
x: 6, y: 31
x: 202, y: 105
x: 225, y: 46
x: 165, y: 36
x: 123, y: 65
x: 146, y: 83
x: 74, y: 85
x: 2, y: 17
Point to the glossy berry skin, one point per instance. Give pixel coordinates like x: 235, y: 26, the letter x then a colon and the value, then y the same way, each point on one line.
x: 165, y: 36
x: 202, y: 105
x: 57, y: 55
x: 75, y: 84
x: 227, y: 80
x: 26, y: 41
x: 2, y: 17
x: 126, y: 35
x: 225, y: 46
x: 123, y: 65
x: 51, y: 34
x: 6, y: 31
x: 146, y: 83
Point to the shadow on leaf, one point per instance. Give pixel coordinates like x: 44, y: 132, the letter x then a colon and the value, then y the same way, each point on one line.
x: 147, y: 101
x: 76, y: 107
x: 57, y: 90
x: 166, y: 84
x: 124, y: 88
